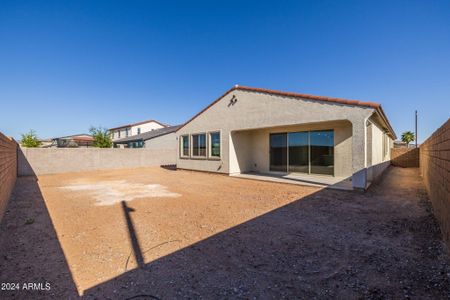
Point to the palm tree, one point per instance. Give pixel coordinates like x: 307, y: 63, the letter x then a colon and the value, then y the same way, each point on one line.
x: 408, y: 137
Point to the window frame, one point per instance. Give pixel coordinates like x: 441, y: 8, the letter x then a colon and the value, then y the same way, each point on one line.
x: 192, y: 146
x: 209, y: 145
x: 182, y: 146
x: 385, y: 146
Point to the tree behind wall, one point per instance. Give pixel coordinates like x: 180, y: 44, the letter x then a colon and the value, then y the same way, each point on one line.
x: 30, y: 140
x: 102, y: 138
x: 408, y: 137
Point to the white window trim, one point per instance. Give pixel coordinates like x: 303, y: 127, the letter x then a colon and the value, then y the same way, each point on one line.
x: 192, y: 146
x: 182, y: 148
x: 209, y: 148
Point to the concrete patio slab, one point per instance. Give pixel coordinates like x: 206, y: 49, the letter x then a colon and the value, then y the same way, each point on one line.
x: 337, y: 183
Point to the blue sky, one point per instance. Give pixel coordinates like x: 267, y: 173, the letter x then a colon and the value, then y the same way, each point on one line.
x: 67, y: 65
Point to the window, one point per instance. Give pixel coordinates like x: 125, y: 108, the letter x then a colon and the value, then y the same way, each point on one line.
x: 306, y: 152
x: 184, y: 145
x: 126, y: 132
x: 199, y: 145
x: 385, y: 145
x: 214, y: 144
x: 139, y: 130
x: 119, y: 133
x: 322, y: 152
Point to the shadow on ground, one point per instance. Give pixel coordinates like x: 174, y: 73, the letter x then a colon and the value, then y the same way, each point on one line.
x: 386, y: 245
x: 382, y: 244
x: 30, y: 253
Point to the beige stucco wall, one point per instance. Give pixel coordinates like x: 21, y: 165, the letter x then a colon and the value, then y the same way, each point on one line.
x: 377, y: 158
x: 251, y: 147
x: 167, y: 141
x: 123, y: 133
x: 260, y: 110
x: 145, y: 127
x: 39, y: 161
x: 377, y: 135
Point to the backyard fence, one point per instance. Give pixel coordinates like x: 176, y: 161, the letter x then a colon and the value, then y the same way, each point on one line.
x: 41, y: 161
x: 435, y: 170
x: 8, y: 170
x: 404, y: 157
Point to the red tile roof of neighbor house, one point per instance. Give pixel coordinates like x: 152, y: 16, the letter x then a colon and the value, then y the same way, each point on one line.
x: 139, y: 123
x: 374, y: 105
x: 83, y: 138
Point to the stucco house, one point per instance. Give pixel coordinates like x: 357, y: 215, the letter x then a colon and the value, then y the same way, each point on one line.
x: 272, y: 132
x: 134, y: 129
x: 72, y: 141
x: 163, y: 138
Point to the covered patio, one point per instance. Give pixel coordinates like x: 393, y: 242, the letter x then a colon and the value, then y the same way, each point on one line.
x: 317, y: 154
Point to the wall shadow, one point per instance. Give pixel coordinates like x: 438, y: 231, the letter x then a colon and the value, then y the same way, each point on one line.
x: 331, y: 244
x: 406, y: 157
x: 29, y: 248
x: 24, y: 168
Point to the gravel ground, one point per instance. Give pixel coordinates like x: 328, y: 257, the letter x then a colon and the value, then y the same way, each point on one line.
x: 182, y: 234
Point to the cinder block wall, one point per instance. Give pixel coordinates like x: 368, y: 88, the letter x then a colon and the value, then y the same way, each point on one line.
x: 41, y: 161
x: 8, y: 170
x: 406, y: 158
x: 435, y: 170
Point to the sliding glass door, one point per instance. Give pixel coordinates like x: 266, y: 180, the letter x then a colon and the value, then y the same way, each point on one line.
x: 278, y: 152
x: 322, y: 152
x: 298, y: 152
x: 304, y: 152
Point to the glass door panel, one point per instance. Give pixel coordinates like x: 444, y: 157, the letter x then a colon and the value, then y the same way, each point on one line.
x: 322, y: 152
x: 278, y: 152
x: 298, y: 152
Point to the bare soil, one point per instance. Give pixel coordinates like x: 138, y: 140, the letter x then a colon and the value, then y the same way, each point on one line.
x: 180, y: 234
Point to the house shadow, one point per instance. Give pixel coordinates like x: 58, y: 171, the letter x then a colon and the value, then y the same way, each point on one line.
x: 32, y: 260
x: 330, y: 244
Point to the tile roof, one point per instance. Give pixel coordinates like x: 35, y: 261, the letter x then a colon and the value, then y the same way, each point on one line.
x: 148, y: 135
x: 82, y: 136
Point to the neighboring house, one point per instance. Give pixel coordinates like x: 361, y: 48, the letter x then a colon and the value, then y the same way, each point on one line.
x: 72, y: 141
x: 134, y: 129
x: 45, y: 143
x: 259, y: 130
x: 163, y: 138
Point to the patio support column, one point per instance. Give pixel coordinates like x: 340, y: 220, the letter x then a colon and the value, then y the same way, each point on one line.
x: 359, y: 148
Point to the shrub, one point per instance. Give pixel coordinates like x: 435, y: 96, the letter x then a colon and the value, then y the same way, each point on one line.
x: 102, y: 138
x: 30, y: 140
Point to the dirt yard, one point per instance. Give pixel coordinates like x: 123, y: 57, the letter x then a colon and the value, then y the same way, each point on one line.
x: 158, y: 234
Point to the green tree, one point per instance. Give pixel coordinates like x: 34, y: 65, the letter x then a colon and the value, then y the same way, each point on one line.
x: 102, y: 138
x: 30, y: 140
x: 408, y: 137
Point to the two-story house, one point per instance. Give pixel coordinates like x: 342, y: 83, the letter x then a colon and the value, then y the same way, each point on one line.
x: 124, y: 131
